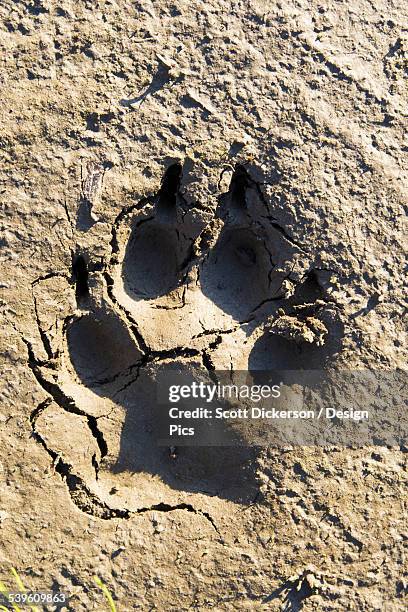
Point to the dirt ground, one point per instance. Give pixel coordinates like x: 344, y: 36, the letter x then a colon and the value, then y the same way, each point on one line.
x: 173, y: 177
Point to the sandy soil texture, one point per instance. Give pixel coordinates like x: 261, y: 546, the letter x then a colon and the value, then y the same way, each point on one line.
x: 214, y: 184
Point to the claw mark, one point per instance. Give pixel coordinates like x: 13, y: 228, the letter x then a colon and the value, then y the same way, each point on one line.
x: 81, y: 275
x: 170, y: 186
x: 239, y: 184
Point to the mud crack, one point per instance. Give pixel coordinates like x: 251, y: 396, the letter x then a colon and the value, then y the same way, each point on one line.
x: 80, y: 493
x: 86, y: 500
x: 64, y: 402
x: 162, y: 507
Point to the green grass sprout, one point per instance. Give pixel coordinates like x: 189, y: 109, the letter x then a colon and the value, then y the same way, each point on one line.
x: 4, y: 591
x: 22, y: 588
x: 106, y: 592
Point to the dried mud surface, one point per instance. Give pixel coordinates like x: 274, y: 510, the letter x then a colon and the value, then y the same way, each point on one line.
x: 215, y: 184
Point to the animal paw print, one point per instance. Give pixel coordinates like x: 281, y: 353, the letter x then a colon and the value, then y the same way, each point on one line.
x: 185, y: 287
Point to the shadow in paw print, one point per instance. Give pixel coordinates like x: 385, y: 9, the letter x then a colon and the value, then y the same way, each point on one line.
x: 101, y: 349
x: 275, y: 352
x: 236, y: 274
x: 106, y: 360
x: 307, y: 292
x: 228, y: 472
x: 158, y: 246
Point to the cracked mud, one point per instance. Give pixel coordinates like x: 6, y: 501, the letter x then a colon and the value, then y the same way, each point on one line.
x: 168, y: 298
x: 203, y: 185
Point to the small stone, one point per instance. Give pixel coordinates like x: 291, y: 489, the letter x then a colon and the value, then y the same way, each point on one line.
x: 309, y: 330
